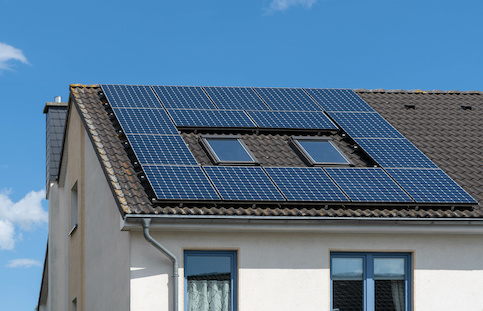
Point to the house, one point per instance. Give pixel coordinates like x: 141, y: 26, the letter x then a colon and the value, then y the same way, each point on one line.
x: 230, y: 198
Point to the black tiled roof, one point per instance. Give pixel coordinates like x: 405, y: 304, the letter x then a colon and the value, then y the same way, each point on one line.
x: 438, y: 121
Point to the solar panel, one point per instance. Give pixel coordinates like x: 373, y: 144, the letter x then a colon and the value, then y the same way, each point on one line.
x: 430, y: 186
x: 395, y: 153
x: 161, y: 149
x: 211, y: 118
x: 287, y: 99
x: 184, y: 97
x: 367, y: 125
x: 180, y: 183
x: 137, y: 96
x: 292, y: 119
x: 367, y: 185
x: 305, y: 184
x: 145, y: 121
x: 240, y: 183
x: 235, y: 98
x: 339, y: 100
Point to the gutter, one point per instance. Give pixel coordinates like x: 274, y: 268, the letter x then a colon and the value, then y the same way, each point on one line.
x: 146, y: 224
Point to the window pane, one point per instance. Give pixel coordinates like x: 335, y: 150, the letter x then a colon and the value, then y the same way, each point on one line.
x: 389, y: 276
x: 347, y: 284
x: 322, y: 151
x: 229, y: 150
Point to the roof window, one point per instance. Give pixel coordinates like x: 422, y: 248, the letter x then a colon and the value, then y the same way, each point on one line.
x: 319, y: 150
x: 228, y: 149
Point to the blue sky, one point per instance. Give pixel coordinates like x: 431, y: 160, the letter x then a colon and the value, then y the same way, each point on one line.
x: 47, y: 45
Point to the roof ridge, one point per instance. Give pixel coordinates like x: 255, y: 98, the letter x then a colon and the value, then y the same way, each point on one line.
x: 416, y: 91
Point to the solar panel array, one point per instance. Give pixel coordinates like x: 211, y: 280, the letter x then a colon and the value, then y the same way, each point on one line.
x: 150, y: 118
x: 292, y: 120
x: 430, y: 185
x: 243, y: 183
x: 243, y: 98
x: 188, y: 97
x: 305, y: 184
x: 367, y: 185
x: 365, y: 125
x: 339, y: 100
x: 287, y: 99
x: 211, y: 118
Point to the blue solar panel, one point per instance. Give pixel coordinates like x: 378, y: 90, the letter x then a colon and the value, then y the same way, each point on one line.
x: 365, y: 125
x: 184, y: 97
x: 145, y: 121
x: 292, y: 119
x: 180, y: 183
x: 243, y: 98
x: 430, y: 186
x: 161, y: 149
x: 239, y: 183
x: 395, y: 153
x: 287, y: 99
x: 367, y: 185
x: 211, y: 118
x: 339, y: 100
x: 305, y: 184
x: 137, y: 96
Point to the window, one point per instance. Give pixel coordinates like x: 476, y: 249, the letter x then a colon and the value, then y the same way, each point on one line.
x: 210, y: 280
x: 319, y: 150
x: 370, y: 281
x: 227, y: 149
x: 74, y: 201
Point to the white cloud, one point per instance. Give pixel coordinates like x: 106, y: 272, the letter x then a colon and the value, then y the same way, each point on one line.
x: 25, y: 214
x: 23, y: 263
x: 282, y: 5
x: 8, y: 53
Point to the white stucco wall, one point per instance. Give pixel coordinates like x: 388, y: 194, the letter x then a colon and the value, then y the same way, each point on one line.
x: 290, y: 271
x: 107, y: 248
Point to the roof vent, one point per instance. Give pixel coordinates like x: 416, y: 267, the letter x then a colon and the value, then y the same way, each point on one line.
x: 466, y: 107
x: 410, y: 106
x: 58, y: 99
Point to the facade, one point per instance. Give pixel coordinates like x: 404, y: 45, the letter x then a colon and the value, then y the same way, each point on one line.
x: 123, y: 237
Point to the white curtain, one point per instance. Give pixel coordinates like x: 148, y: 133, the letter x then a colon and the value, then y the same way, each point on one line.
x: 398, y: 292
x: 210, y: 295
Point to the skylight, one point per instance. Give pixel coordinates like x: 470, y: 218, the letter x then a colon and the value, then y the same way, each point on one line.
x: 319, y: 150
x: 227, y: 150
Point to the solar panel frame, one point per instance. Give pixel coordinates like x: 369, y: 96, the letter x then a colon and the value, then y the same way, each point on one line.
x: 365, y: 125
x: 306, y: 184
x: 145, y: 121
x: 368, y: 185
x: 243, y: 98
x: 395, y: 153
x: 292, y: 120
x: 161, y: 149
x: 339, y: 100
x: 243, y: 183
x: 287, y: 99
x: 430, y: 186
x: 180, y: 183
x: 183, y: 97
x: 133, y: 96
x: 211, y: 118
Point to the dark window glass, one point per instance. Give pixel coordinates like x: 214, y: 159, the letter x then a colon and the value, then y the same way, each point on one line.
x: 347, y: 284
x: 389, y: 285
x: 228, y: 150
x: 322, y: 151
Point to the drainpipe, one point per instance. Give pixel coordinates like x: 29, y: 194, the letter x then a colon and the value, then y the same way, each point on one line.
x: 162, y: 249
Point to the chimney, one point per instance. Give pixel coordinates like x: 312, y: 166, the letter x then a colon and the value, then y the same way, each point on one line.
x: 56, y: 113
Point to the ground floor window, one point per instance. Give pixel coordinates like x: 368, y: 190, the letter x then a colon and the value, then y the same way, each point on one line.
x: 370, y: 281
x: 210, y: 280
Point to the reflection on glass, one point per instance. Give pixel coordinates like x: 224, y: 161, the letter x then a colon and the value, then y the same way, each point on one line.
x: 229, y: 150
x: 347, y: 284
x: 389, y: 276
x: 322, y: 151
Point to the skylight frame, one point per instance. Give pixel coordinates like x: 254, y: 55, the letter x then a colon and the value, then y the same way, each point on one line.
x: 295, y: 141
x: 204, y: 140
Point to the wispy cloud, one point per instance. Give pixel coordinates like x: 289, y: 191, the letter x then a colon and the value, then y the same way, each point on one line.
x: 282, y: 5
x: 23, y: 263
x: 25, y: 214
x: 8, y: 54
